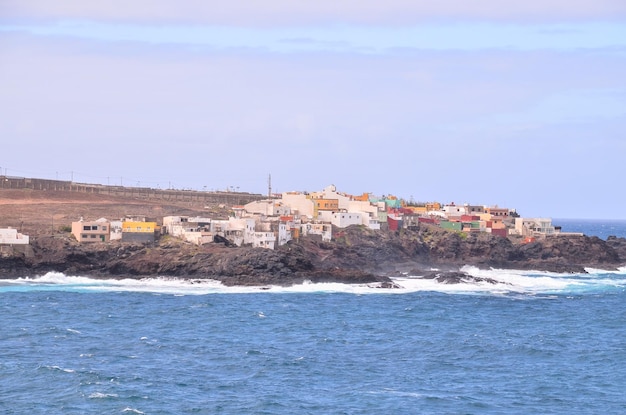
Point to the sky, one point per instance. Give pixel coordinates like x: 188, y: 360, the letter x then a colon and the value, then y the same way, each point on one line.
x: 519, y: 104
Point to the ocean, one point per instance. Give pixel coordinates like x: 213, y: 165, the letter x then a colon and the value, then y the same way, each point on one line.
x: 535, y: 342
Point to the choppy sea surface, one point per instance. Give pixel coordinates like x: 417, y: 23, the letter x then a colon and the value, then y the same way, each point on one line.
x: 533, y: 343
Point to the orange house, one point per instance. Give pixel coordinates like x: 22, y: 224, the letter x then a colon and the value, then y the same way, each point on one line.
x: 365, y: 197
x: 330, y: 205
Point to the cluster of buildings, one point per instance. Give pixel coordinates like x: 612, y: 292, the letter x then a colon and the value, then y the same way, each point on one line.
x: 275, y: 221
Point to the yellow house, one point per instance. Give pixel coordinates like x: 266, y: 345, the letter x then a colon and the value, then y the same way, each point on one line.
x: 424, y: 208
x: 136, y: 231
x: 418, y: 210
x: 433, y: 206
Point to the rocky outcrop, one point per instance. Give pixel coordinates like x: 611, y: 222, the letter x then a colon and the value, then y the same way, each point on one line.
x: 618, y: 245
x: 174, y: 258
x: 557, y: 254
x: 454, y: 277
x: 357, y: 255
x: 402, y: 251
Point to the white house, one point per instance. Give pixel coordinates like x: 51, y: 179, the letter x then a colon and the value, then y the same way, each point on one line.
x: 371, y: 222
x: 370, y: 211
x: 233, y: 229
x: 286, y: 227
x: 268, y: 207
x: 248, y: 230
x: 363, y: 206
x: 323, y: 229
x: 299, y: 203
x: 264, y: 240
x: 196, y: 230
x: 116, y: 230
x: 10, y: 236
x: 534, y: 227
x: 454, y: 210
x: 345, y: 219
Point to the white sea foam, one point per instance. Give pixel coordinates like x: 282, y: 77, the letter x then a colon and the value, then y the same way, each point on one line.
x: 388, y: 391
x: 133, y: 410
x: 506, y: 281
x: 100, y: 395
x: 60, y: 369
x: 620, y: 270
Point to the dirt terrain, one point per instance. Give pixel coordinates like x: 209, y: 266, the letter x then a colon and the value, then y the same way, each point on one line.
x: 35, y: 212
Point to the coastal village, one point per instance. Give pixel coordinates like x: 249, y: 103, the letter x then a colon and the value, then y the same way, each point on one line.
x: 279, y: 218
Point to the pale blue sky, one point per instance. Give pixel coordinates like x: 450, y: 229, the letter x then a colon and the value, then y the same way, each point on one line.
x: 522, y: 106
x: 347, y: 38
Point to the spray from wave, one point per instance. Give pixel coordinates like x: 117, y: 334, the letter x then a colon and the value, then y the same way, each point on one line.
x: 491, y: 282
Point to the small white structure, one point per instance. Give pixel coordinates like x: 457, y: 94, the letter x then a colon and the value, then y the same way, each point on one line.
x: 264, y: 240
x: 345, y: 219
x: 268, y: 207
x: 196, y: 230
x: 323, y: 229
x: 247, y: 231
x: 10, y: 236
x: 452, y: 210
x: 285, y: 231
x: 116, y: 230
x: 370, y: 211
x: 371, y: 222
x: 534, y: 227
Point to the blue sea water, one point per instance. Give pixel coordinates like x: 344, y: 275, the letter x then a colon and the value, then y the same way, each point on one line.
x: 533, y: 343
x: 602, y: 228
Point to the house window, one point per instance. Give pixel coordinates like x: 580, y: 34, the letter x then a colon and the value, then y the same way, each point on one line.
x: 104, y: 228
x: 86, y: 228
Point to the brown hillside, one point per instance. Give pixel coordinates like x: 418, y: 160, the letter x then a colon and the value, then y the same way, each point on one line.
x: 44, y: 212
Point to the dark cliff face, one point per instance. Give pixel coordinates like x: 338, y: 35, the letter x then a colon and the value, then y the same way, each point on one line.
x: 434, y: 247
x: 357, y: 255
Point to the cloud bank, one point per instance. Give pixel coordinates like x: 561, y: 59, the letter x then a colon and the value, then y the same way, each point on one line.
x: 539, y: 129
x: 288, y: 12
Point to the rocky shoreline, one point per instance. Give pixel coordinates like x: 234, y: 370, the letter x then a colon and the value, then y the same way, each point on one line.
x: 358, y: 255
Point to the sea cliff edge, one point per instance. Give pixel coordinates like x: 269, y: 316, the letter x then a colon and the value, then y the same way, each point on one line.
x: 359, y: 255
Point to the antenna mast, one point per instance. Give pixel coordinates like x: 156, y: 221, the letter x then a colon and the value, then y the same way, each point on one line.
x: 269, y: 186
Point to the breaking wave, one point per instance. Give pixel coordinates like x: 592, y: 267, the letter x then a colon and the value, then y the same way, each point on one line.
x: 492, y: 281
